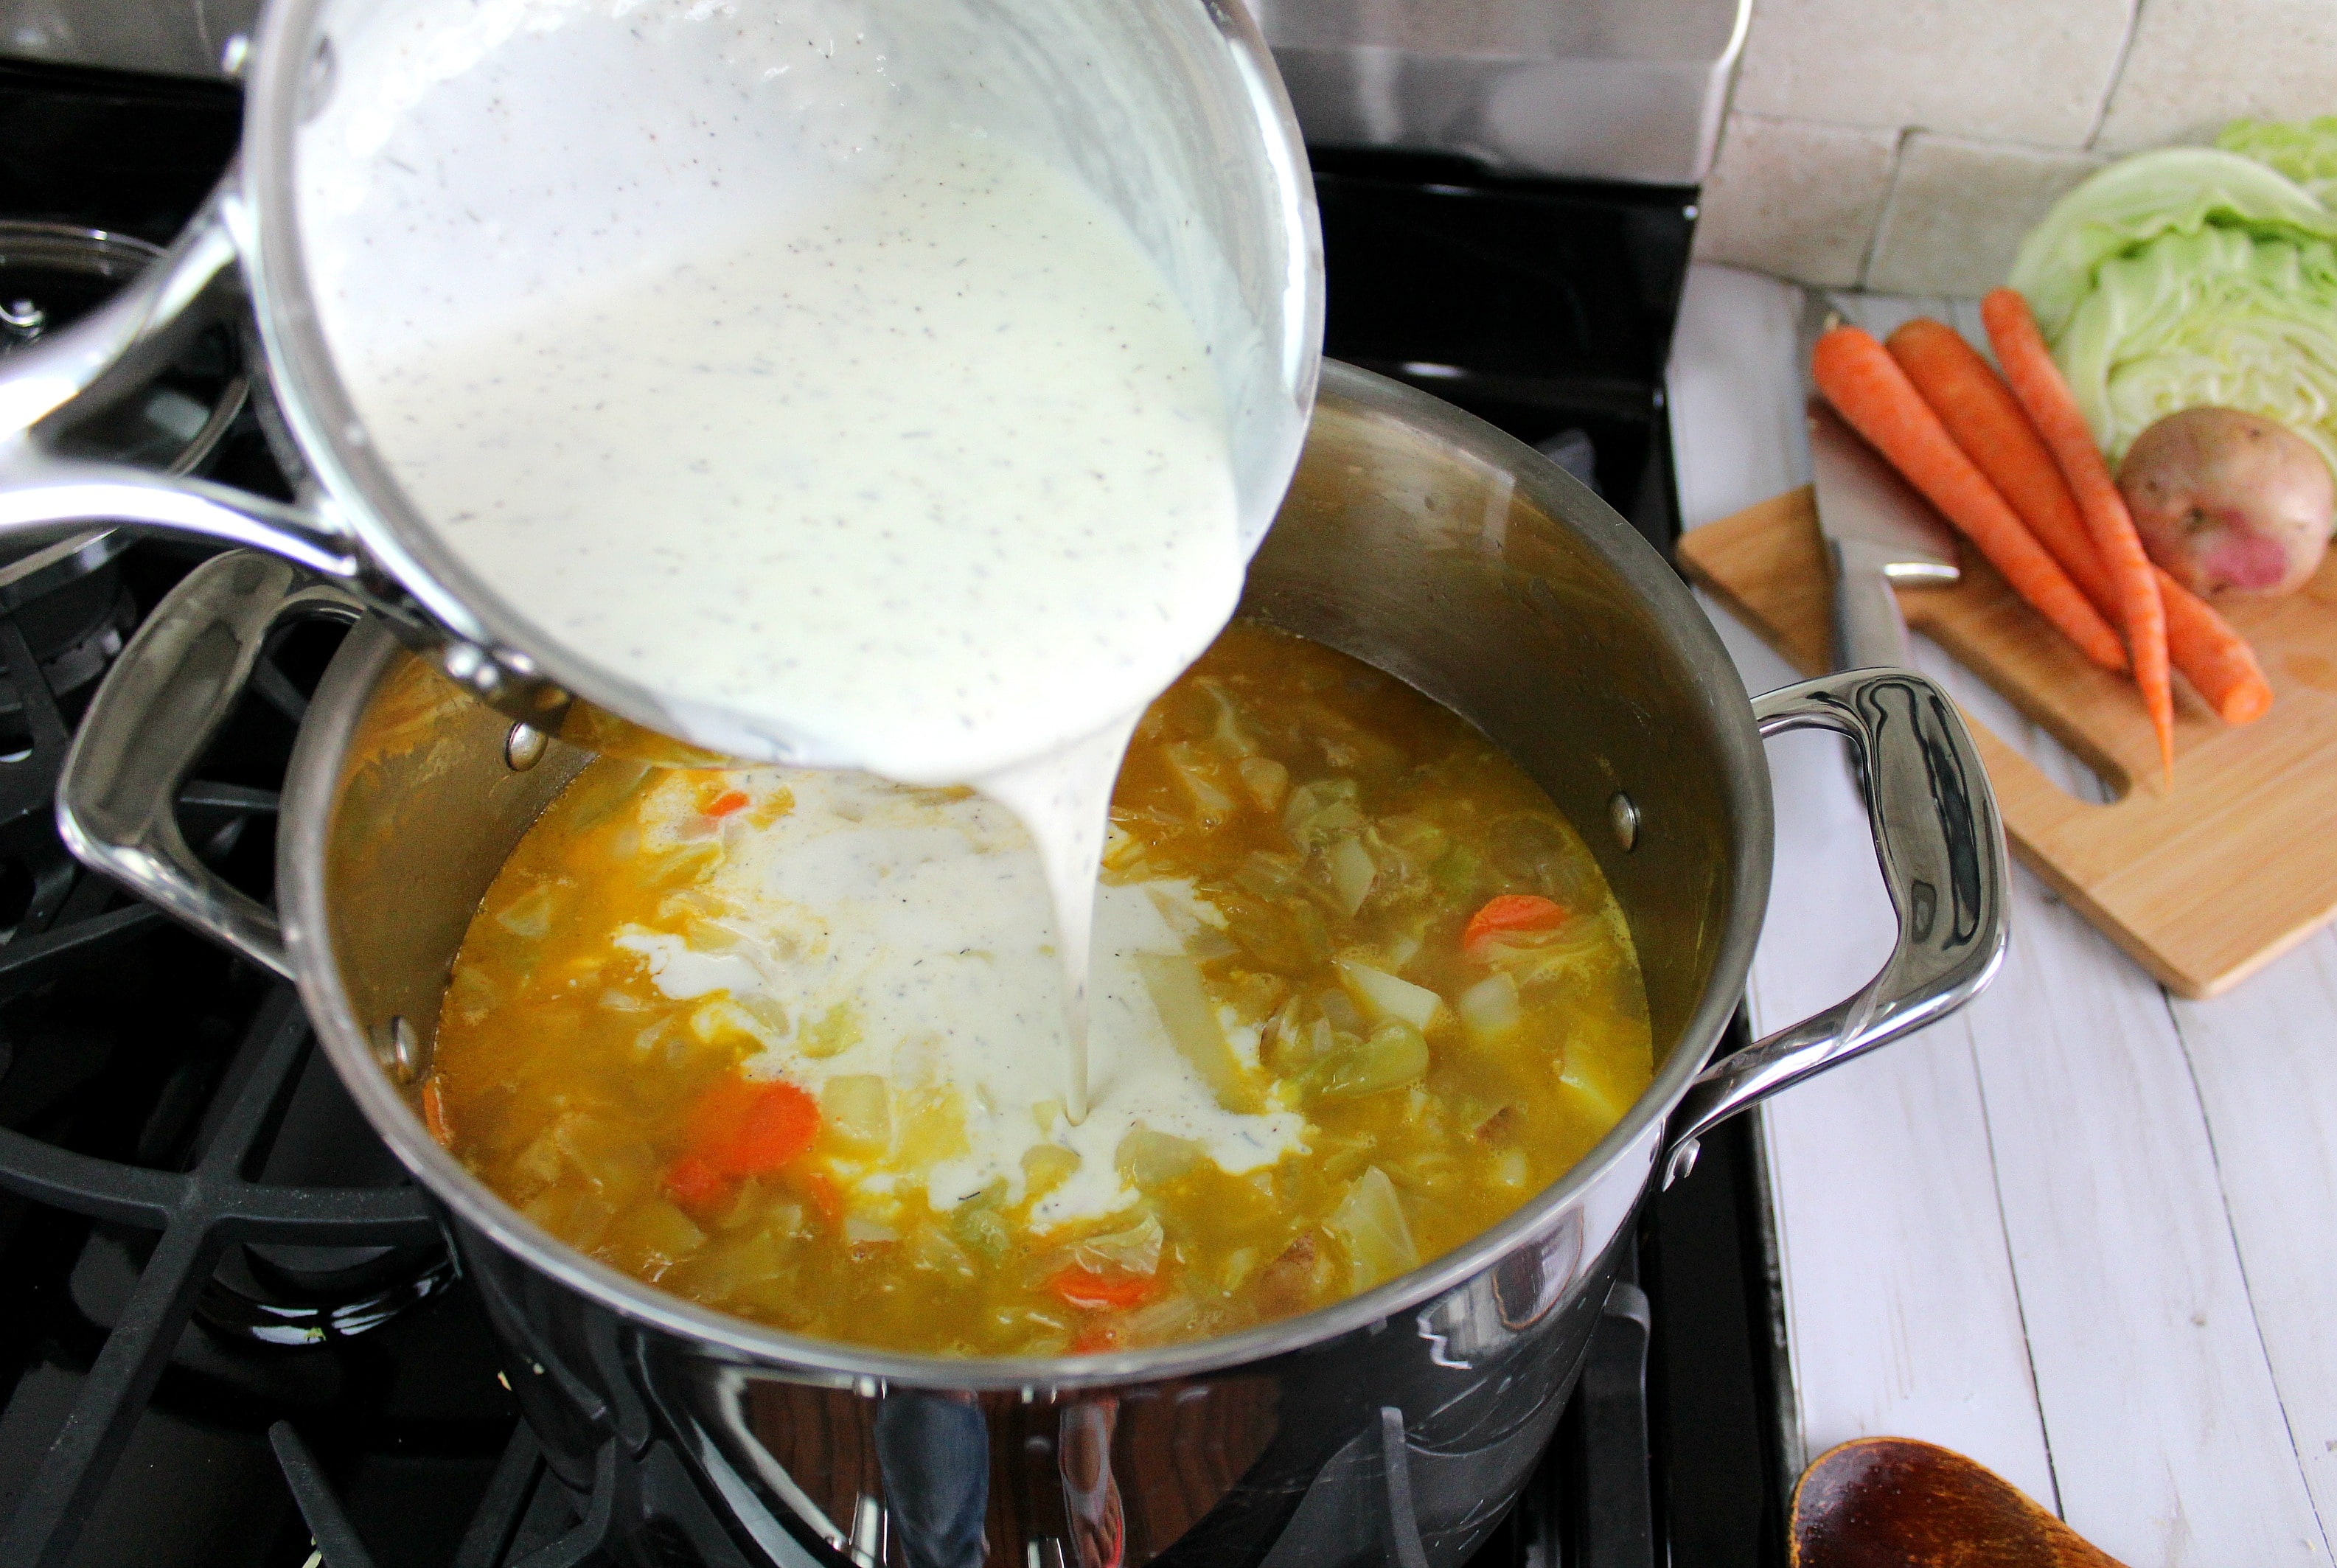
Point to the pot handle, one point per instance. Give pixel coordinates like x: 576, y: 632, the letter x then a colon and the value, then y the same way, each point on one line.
x: 158, y: 708
x: 111, y: 352
x: 1941, y: 850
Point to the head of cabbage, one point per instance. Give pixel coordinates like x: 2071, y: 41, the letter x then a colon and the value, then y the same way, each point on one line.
x: 2195, y: 277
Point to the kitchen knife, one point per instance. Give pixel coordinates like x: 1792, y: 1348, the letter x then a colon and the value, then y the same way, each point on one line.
x: 1879, y: 532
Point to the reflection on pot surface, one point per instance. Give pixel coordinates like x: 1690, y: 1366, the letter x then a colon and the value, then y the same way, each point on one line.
x: 1404, y: 1443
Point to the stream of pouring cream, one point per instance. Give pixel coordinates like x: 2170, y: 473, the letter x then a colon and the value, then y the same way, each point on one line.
x: 1065, y: 800
x: 768, y: 386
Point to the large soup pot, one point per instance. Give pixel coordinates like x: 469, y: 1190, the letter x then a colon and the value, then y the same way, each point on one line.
x: 1397, y: 1426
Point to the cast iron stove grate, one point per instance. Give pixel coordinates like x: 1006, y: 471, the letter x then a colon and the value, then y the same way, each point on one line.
x: 157, y: 1120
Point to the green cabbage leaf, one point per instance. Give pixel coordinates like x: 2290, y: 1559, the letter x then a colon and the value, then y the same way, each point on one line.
x: 2176, y: 190
x: 2197, y: 277
x: 2304, y: 151
x: 2214, y: 319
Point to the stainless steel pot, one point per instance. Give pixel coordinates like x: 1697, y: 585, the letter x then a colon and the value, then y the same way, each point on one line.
x: 1167, y: 113
x: 1398, y: 1424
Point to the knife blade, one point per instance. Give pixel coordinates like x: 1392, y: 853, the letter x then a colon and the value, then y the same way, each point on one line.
x: 1879, y: 532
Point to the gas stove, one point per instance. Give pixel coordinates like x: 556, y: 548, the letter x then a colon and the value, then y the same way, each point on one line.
x: 231, y: 1334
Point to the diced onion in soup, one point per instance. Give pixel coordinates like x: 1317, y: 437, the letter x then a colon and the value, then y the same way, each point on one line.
x: 688, y: 863
x: 1266, y: 781
x: 529, y: 915
x: 1132, y: 1249
x: 767, y: 1010
x: 1369, y: 1225
x: 1340, y: 1011
x: 1170, y: 1318
x: 1420, y: 841
x: 1352, y: 873
x: 1211, y: 804
x: 1318, y: 812
x: 932, y: 1249
x: 977, y: 1225
x: 575, y: 1215
x: 1231, y: 732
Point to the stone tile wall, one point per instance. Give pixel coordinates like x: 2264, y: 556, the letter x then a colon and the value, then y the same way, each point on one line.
x: 1906, y: 145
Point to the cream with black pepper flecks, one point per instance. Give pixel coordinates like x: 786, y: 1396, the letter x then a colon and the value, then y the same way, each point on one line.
x: 751, y: 368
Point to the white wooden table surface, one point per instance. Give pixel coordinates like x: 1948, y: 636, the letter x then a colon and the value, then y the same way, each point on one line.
x: 2082, y: 1231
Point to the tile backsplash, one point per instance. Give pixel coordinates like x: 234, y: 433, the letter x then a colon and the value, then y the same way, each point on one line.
x: 1906, y: 145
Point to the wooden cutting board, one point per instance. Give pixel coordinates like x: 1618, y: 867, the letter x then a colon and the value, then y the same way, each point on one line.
x: 2203, y: 884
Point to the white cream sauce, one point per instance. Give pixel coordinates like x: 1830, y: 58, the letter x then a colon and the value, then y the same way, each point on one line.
x: 927, y: 920
x: 744, y: 365
x: 873, y: 435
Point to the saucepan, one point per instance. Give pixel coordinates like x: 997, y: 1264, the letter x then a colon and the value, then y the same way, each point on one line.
x: 1396, y: 1426
x: 1167, y: 113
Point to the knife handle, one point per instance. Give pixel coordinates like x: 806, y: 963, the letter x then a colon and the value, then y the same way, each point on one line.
x: 1869, y: 631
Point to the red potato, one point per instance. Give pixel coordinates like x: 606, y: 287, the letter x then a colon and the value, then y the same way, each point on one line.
x: 2229, y: 503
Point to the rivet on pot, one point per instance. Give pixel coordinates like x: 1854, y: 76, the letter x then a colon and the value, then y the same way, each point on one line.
x: 523, y: 747
x: 1624, y: 818
x: 398, y: 1048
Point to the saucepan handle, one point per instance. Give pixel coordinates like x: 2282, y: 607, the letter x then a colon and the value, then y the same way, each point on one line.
x: 159, y: 706
x: 113, y: 351
x: 1941, y: 850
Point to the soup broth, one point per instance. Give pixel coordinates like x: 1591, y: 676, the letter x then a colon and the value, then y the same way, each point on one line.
x: 788, y: 1043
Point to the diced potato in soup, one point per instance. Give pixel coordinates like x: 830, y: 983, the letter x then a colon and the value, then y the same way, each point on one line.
x: 790, y: 1043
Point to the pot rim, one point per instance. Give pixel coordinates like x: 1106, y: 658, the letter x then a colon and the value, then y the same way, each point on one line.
x: 308, y: 793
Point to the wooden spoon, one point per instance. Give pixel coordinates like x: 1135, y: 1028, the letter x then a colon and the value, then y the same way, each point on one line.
x: 1896, y: 1503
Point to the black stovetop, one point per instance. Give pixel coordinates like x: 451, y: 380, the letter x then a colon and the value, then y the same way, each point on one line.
x: 228, y: 1335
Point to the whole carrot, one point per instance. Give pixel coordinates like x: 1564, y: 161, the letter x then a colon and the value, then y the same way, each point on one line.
x: 2037, y: 381
x: 1870, y: 391
x: 2217, y: 659
x: 1984, y: 419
